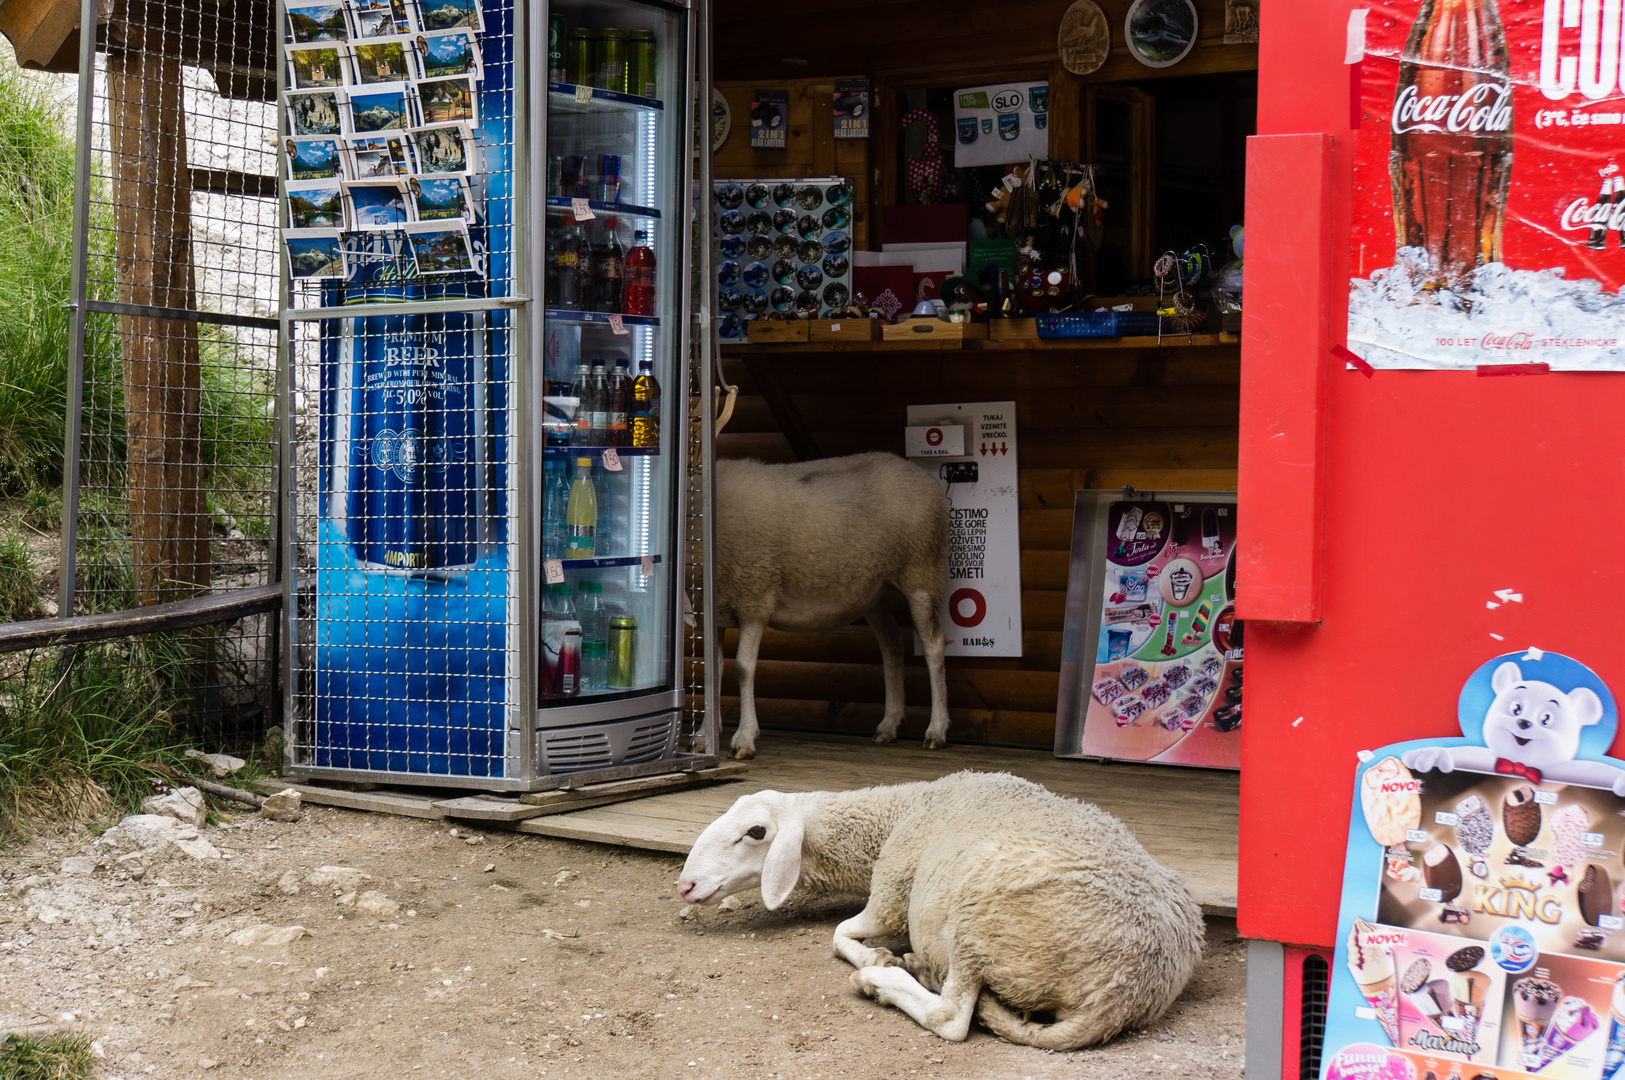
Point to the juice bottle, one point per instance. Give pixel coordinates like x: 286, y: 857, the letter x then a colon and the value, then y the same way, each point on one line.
x: 581, y: 390
x: 645, y: 406
x: 639, y: 289
x: 581, y: 514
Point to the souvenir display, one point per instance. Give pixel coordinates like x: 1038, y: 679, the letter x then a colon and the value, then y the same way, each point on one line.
x: 1480, y: 923
x: 781, y: 249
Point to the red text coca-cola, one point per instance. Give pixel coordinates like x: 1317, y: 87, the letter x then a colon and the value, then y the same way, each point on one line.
x: 1450, y: 158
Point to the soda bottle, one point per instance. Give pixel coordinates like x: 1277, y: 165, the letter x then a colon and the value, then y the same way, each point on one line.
x: 594, y: 636
x: 561, y: 644
x: 564, y: 276
x: 1450, y: 154
x: 620, y: 394
x: 581, y: 390
x: 598, y: 405
x: 555, y: 504
x: 639, y: 290
x: 645, y: 406
x: 604, y: 534
x: 584, y: 270
x: 611, y: 260
x: 581, y: 514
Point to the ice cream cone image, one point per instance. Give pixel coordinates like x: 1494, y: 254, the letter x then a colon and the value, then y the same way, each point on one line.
x: 1372, y: 966
x: 1613, y: 1062
x: 1467, y: 990
x: 1534, y: 1000
x: 1570, y: 1025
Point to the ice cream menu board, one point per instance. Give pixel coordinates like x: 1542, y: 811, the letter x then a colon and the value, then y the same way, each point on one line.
x: 1167, y: 664
x: 1482, y: 932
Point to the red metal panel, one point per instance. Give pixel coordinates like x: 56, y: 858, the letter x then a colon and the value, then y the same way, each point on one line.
x: 1283, y: 392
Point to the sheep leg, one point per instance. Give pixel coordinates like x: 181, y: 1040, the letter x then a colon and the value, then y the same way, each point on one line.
x: 750, y: 640
x: 922, y: 605
x: 849, y: 941
x: 947, y: 1014
x: 890, y: 636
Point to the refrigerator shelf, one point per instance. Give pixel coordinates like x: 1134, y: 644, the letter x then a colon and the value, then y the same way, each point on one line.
x: 598, y: 451
x: 600, y: 318
x: 602, y: 564
x: 565, y: 98
x: 560, y: 205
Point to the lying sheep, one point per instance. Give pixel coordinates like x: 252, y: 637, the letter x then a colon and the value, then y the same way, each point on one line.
x: 1016, y: 901
x: 813, y: 546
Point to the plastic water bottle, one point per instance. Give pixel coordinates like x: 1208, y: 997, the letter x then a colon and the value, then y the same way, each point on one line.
x: 594, y: 636
x: 606, y: 510
x: 555, y: 505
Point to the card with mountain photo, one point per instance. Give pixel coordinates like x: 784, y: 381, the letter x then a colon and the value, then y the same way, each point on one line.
x: 450, y: 15
x: 314, y: 66
x: 378, y: 204
x: 314, y: 253
x: 314, y: 112
x: 441, y: 198
x: 450, y: 100
x: 381, y: 156
x: 384, y: 107
x: 312, y: 22
x: 313, y: 157
x: 444, y: 148
x: 380, y: 18
x: 383, y: 60
x: 315, y: 204
x: 441, y: 248
x: 449, y: 52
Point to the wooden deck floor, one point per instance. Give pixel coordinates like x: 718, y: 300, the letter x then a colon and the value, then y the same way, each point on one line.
x: 1186, y: 818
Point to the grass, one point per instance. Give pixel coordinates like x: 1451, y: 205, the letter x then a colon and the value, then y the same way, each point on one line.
x: 18, y: 598
x: 51, y: 1057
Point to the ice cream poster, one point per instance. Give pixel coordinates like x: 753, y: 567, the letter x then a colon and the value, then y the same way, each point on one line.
x: 1489, y: 186
x: 1167, y: 665
x: 1482, y: 916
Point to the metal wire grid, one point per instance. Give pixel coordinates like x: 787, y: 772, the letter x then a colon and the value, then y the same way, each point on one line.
x: 171, y: 473
x: 402, y: 562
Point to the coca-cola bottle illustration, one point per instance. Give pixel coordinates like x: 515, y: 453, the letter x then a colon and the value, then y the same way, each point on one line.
x: 1450, y: 158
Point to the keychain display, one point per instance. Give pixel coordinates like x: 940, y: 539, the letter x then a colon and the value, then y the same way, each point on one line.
x: 783, y: 250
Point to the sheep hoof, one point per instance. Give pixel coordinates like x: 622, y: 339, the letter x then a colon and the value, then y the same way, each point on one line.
x: 911, y: 963
x: 863, y: 982
x: 886, y: 958
x: 885, y: 736
x: 744, y: 753
x: 935, y: 742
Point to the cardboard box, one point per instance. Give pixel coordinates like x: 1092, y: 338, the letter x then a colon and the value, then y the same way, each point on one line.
x: 929, y: 329
x: 776, y: 331
x: 844, y: 330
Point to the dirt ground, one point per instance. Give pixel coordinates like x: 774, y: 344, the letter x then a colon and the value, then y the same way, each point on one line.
x: 508, y: 956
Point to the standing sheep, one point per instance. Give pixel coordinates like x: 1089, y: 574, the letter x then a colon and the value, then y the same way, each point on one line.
x: 1015, y: 900
x: 812, y: 546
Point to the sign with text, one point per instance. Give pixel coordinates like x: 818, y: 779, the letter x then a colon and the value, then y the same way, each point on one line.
x: 981, y: 605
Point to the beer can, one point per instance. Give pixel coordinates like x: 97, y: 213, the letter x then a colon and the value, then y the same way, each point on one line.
x: 579, y: 57
x: 611, y: 61
x: 609, y: 178
x: 623, y: 651
x: 640, y: 63
x: 556, y: 72
x: 573, y: 174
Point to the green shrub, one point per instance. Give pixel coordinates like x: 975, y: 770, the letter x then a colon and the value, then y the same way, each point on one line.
x: 51, y: 1057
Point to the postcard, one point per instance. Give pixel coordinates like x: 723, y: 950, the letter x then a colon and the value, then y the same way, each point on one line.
x: 441, y: 198
x: 449, y: 52
x: 441, y: 248
x: 380, y: 156
x: 313, y: 112
x: 381, y: 61
x: 315, y: 66
x: 385, y: 107
x: 377, y: 204
x: 446, y: 100
x: 450, y: 14
x: 313, y: 157
x: 314, y: 253
x: 380, y: 18
x: 309, y: 22
x: 315, y: 204
x: 445, y: 148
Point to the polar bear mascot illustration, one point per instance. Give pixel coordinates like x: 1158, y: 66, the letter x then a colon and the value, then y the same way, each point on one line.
x: 1532, y: 730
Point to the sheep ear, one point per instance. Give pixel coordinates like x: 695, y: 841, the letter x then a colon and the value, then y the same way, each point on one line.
x: 782, y: 867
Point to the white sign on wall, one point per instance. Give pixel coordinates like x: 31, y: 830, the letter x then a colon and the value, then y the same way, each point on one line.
x: 981, y: 606
x: 997, y: 125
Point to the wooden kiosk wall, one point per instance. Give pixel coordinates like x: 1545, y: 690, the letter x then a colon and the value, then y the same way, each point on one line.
x: 1098, y: 415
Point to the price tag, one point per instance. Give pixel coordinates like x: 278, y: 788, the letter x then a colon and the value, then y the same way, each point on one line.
x: 1011, y: 182
x: 1445, y: 817
x: 1610, y: 922
x: 1416, y: 836
x: 618, y: 325
x: 583, y: 94
x: 1546, y: 798
x: 553, y: 569
x: 1434, y: 895
x: 612, y: 460
x: 648, y: 566
x: 1365, y: 1012
x: 1591, y: 839
x: 835, y: 328
x: 582, y: 211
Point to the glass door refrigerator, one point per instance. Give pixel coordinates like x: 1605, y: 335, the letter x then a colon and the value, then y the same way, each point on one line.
x: 614, y: 335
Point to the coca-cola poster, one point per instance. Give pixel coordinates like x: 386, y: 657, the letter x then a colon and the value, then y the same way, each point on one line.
x: 1489, y: 212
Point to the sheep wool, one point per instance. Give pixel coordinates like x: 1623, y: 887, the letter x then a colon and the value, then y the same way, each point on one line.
x: 1015, y: 900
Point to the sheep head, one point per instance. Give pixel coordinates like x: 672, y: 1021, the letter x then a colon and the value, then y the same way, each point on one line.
x: 756, y: 843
